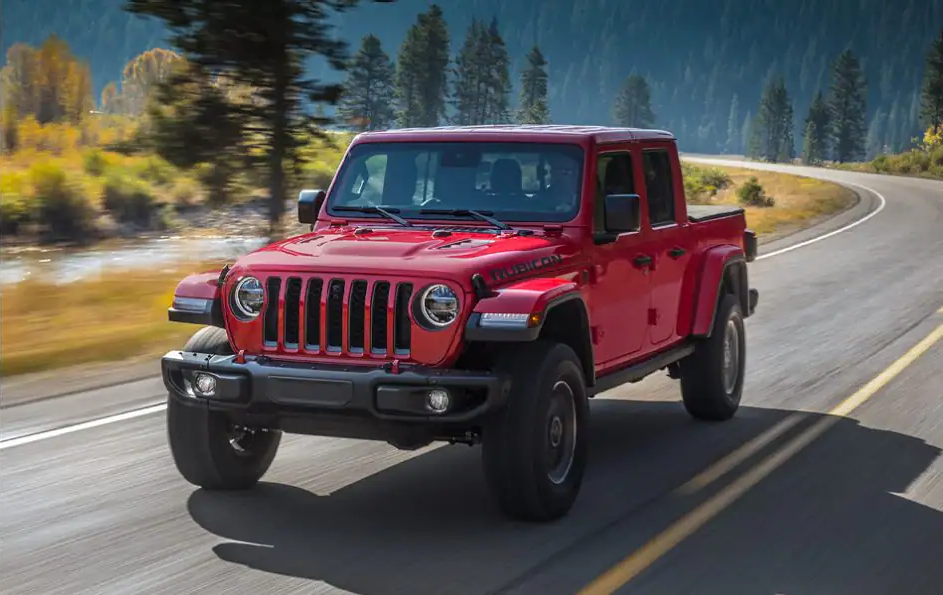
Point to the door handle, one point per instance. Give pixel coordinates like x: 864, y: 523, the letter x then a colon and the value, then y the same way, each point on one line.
x: 676, y: 252
x: 642, y: 260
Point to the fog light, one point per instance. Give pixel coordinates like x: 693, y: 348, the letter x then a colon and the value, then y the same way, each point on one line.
x: 205, y: 384
x: 437, y: 400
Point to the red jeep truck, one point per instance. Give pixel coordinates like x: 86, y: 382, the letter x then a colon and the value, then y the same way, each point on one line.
x: 469, y: 285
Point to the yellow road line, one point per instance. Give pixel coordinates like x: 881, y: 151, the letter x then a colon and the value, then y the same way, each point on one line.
x: 635, y: 563
x: 730, y: 462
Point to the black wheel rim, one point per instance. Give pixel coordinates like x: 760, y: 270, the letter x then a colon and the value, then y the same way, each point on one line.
x: 731, y: 365
x: 560, y: 432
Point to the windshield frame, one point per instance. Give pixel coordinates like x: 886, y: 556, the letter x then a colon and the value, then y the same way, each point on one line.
x: 513, y: 218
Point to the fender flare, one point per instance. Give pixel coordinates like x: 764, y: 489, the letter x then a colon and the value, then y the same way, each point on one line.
x: 197, y: 299
x: 534, y: 298
x: 715, y: 266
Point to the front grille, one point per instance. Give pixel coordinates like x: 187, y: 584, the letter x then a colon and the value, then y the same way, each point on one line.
x: 337, y: 316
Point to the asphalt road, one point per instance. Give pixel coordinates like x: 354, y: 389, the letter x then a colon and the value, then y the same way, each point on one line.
x: 857, y: 510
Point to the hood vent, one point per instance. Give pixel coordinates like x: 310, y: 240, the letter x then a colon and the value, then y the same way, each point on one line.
x: 466, y: 244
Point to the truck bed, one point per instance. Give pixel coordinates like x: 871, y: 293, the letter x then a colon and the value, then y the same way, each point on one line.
x: 698, y: 213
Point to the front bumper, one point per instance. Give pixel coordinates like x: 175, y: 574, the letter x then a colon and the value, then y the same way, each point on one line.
x: 280, y: 390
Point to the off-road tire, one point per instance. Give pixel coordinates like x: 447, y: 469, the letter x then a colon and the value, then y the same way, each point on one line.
x: 547, y: 383
x: 200, y: 438
x: 705, y: 390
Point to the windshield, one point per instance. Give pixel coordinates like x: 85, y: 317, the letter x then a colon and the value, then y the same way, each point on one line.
x: 511, y: 181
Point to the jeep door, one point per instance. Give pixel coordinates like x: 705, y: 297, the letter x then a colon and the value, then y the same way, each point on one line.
x: 619, y: 301
x: 667, y: 238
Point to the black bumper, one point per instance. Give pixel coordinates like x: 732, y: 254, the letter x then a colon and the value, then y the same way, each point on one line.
x: 282, y: 390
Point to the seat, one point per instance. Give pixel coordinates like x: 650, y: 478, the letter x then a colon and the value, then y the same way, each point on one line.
x: 399, y: 183
x: 507, y: 177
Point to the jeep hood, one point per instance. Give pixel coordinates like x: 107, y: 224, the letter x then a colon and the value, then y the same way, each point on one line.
x: 422, y: 251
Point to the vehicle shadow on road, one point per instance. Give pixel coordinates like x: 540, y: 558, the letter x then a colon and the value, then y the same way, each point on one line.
x: 427, y: 525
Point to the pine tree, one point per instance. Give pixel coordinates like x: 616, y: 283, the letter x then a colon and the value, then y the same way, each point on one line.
x: 812, y: 144
x: 932, y: 92
x: 533, y: 109
x: 499, y: 78
x: 408, y: 79
x: 848, y: 108
x: 422, y: 71
x: 470, y: 67
x: 204, y: 31
x: 732, y: 145
x: 819, y: 115
x: 633, y: 104
x: 482, y: 79
x: 775, y: 122
x: 754, y: 139
x: 368, y: 90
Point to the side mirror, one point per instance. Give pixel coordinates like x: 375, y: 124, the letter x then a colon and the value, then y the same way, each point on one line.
x: 309, y: 205
x: 622, y: 213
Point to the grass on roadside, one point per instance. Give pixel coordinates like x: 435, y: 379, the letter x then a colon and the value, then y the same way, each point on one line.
x: 117, y: 315
x: 915, y: 163
x: 798, y: 200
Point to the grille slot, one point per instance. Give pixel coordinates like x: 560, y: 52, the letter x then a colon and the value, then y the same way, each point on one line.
x: 337, y: 316
x: 356, y: 312
x: 401, y: 325
x: 292, y: 315
x: 379, y: 316
x: 273, y: 286
x: 313, y: 314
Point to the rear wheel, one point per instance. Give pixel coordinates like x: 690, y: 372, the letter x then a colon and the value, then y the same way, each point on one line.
x: 208, y: 449
x: 534, y: 450
x: 712, y: 376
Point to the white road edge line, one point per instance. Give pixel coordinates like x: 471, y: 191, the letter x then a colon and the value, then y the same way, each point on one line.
x: 837, y: 231
x: 87, y: 425
x: 104, y: 421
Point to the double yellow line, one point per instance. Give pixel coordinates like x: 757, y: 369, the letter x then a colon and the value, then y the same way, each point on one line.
x: 641, y: 559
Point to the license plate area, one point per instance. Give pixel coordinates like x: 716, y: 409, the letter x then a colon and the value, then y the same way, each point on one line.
x: 303, y: 392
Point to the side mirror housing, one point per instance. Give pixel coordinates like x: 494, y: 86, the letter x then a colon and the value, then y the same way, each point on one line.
x: 309, y: 205
x: 622, y: 213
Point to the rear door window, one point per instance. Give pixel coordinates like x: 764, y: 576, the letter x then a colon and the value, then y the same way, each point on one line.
x: 659, y: 187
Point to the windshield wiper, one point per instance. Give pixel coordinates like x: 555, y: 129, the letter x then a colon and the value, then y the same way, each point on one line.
x: 386, y: 212
x: 480, y: 215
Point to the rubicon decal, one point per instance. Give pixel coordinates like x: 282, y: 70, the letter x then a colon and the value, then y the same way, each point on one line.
x: 521, y: 268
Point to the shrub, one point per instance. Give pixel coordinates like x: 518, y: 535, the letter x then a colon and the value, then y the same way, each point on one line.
x: 14, y: 211
x: 703, y: 183
x: 128, y: 199
x: 94, y: 162
x: 185, y: 192
x: 753, y: 194
x: 155, y: 170
x: 61, y: 206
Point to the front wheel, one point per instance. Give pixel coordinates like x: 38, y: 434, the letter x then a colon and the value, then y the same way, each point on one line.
x: 534, y: 451
x: 712, y: 376
x: 208, y: 449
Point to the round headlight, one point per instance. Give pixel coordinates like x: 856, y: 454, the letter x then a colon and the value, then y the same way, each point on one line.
x: 248, y: 296
x: 439, y: 305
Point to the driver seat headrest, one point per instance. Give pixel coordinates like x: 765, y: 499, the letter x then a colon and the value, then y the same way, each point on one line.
x: 506, y: 177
